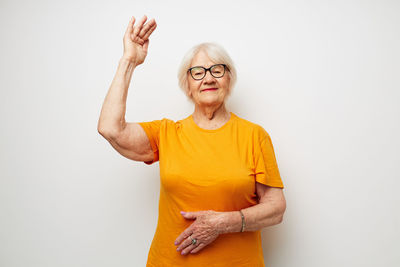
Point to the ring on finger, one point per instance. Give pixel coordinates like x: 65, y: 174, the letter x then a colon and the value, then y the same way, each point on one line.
x: 194, y: 240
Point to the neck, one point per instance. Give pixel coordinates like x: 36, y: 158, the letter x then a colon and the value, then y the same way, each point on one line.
x: 211, y: 117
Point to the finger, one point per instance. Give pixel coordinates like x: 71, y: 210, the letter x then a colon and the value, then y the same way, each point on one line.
x: 138, y: 27
x: 138, y: 40
x: 129, y: 29
x: 146, y: 28
x: 185, y: 234
x: 192, y: 247
x: 150, y: 31
x: 185, y: 244
x: 198, y: 248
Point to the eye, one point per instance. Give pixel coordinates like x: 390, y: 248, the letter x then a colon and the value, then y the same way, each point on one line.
x: 218, y: 69
x: 197, y: 71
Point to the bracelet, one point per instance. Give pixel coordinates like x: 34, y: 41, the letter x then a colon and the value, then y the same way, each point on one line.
x: 243, y: 223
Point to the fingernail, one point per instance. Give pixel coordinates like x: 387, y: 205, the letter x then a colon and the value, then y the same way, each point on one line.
x: 182, y: 212
x: 176, y: 242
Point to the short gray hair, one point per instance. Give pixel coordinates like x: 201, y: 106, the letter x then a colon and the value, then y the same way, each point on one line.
x: 216, y: 53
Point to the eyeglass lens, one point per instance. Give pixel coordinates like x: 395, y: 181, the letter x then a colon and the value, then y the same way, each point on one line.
x: 198, y: 73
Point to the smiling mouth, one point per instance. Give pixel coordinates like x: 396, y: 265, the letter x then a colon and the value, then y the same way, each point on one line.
x: 209, y: 89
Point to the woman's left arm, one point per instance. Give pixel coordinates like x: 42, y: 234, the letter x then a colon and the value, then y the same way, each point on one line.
x: 210, y: 224
x: 269, y: 211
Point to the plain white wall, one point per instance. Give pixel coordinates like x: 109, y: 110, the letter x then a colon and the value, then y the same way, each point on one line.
x: 322, y: 77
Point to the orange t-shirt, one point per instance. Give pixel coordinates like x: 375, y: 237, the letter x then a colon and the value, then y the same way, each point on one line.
x: 204, y: 169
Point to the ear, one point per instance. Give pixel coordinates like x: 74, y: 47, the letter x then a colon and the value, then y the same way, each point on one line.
x: 187, y: 87
x: 189, y: 94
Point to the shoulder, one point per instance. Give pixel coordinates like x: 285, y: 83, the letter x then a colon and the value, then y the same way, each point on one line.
x: 169, y: 123
x: 255, y: 129
x: 156, y: 124
x: 163, y: 121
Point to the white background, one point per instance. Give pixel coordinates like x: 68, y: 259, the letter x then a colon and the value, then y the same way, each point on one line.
x: 322, y: 77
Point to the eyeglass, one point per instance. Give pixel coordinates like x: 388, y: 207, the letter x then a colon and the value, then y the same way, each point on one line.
x: 199, y: 72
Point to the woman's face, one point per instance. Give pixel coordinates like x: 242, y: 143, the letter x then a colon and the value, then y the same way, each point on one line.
x: 196, y: 87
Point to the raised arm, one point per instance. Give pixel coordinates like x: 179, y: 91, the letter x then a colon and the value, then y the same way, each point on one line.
x: 129, y: 139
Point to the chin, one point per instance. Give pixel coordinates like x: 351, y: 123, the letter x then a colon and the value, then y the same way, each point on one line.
x: 211, y: 101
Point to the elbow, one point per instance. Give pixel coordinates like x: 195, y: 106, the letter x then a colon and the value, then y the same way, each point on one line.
x: 102, y: 131
x: 102, y: 128
x: 106, y: 133
x: 109, y: 130
x: 281, y: 211
x: 279, y: 219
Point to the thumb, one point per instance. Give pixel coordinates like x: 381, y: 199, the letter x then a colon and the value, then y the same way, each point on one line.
x: 189, y: 215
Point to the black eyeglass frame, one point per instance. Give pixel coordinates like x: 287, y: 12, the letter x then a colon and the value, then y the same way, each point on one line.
x: 205, y: 71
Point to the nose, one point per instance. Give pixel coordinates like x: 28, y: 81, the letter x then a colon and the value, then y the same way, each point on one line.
x: 208, y: 77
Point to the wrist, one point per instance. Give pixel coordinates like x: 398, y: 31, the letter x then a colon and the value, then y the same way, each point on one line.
x: 231, y: 222
x: 127, y: 60
x: 243, y: 225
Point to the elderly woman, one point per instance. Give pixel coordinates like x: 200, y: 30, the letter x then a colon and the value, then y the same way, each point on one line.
x: 220, y: 183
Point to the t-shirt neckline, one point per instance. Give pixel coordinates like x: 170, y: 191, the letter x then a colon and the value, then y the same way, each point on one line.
x: 232, y: 117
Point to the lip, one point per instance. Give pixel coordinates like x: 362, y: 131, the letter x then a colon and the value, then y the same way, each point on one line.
x: 209, y: 89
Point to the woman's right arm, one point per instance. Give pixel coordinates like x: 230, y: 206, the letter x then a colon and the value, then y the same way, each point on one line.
x: 129, y: 139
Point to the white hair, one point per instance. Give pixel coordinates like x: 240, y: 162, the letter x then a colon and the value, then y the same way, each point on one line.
x: 216, y: 53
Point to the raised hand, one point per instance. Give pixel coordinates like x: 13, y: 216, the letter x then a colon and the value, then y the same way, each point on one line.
x: 136, y: 39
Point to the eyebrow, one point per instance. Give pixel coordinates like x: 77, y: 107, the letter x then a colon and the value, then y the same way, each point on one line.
x: 205, y: 67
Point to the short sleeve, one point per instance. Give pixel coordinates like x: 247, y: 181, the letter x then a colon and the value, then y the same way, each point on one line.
x: 266, y: 167
x: 152, y: 130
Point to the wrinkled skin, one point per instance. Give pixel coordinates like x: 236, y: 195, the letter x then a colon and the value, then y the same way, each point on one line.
x: 205, y: 229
